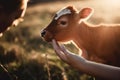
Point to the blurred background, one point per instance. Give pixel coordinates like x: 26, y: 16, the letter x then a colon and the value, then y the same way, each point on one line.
x: 27, y: 56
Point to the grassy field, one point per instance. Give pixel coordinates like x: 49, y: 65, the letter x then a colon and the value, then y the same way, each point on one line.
x: 23, y: 52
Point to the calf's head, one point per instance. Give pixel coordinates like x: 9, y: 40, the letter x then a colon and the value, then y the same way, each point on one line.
x: 65, y: 23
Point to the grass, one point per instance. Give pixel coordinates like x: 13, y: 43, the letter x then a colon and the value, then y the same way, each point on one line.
x: 22, y: 50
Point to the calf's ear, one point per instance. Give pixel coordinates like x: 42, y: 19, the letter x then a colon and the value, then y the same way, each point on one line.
x: 85, y: 13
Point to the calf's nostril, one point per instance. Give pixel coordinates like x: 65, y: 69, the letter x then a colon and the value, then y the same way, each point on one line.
x: 43, y: 33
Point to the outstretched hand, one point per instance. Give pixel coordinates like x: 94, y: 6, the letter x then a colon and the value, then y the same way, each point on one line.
x: 65, y: 55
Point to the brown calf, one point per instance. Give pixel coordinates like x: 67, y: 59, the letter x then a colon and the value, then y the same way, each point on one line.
x: 100, y: 43
x: 11, y: 13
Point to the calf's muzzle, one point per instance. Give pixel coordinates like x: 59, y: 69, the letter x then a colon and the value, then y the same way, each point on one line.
x: 43, y: 32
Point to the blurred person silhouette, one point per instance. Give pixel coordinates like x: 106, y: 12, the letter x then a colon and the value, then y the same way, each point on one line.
x: 11, y: 13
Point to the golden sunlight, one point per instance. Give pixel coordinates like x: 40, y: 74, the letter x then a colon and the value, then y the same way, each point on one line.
x: 109, y: 9
x: 111, y: 2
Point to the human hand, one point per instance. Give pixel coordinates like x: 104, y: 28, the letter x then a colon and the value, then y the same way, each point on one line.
x: 65, y: 55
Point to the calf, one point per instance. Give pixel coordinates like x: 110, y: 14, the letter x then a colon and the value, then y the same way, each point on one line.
x: 99, y: 43
x: 11, y: 13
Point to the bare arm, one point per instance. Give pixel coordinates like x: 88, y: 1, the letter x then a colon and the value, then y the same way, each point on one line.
x: 89, y: 67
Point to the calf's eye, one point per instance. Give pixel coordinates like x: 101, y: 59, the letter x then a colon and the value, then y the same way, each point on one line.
x: 63, y: 22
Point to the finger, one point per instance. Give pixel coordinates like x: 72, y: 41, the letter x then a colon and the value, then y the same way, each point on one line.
x: 62, y: 56
x: 55, y: 45
x: 65, y: 50
x: 54, y: 42
x: 67, y: 53
x: 58, y: 50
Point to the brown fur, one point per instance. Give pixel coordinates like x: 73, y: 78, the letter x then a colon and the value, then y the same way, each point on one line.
x: 11, y: 12
x: 100, y: 43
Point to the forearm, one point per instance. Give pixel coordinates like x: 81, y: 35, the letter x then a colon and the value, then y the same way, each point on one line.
x: 98, y: 70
